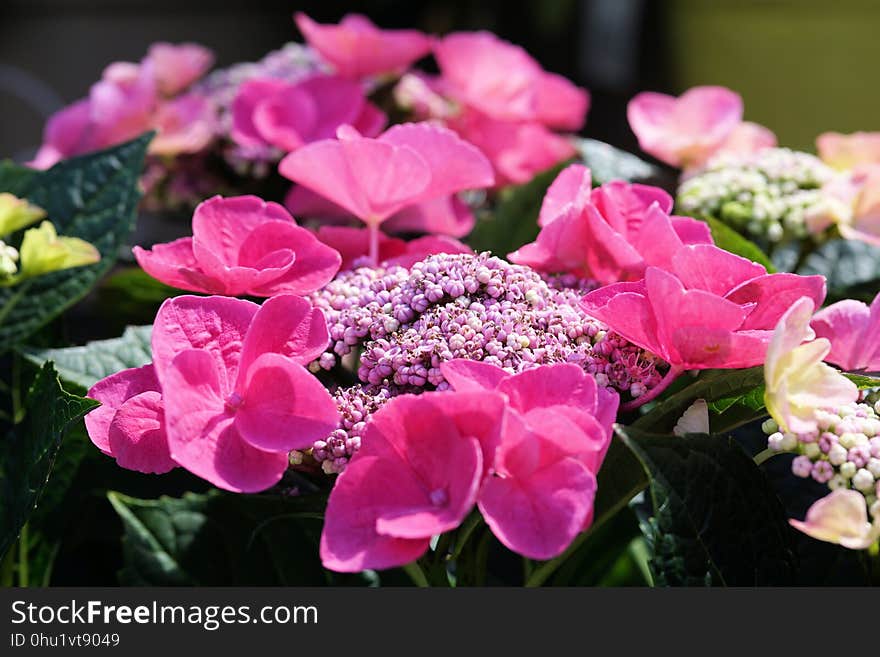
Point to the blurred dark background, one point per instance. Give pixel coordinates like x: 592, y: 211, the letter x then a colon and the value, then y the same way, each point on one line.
x: 803, y: 66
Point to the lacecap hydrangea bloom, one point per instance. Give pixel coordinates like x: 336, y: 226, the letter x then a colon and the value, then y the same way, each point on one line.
x: 772, y: 194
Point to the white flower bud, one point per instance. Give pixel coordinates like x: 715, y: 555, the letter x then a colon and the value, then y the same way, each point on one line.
x: 837, y: 454
x: 863, y: 481
x: 848, y: 470
x: 812, y: 451
x: 874, y: 467
x: 837, y: 482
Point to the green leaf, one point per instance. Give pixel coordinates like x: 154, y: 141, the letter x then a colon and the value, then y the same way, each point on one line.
x: 88, y: 364
x: 722, y: 389
x: 29, y: 449
x: 608, y: 163
x: 221, y: 539
x: 514, y: 219
x: 93, y: 198
x: 717, y: 521
x: 621, y: 477
x: 730, y: 240
x: 862, y: 381
x: 851, y: 268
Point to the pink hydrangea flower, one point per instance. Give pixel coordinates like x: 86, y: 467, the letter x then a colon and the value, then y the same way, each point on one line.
x: 608, y: 234
x: 132, y: 98
x: 684, y: 131
x: 239, y: 397
x: 242, y: 245
x: 374, y: 179
x: 357, y: 48
x: 849, y: 151
x: 705, y: 308
x: 177, y: 66
x: 287, y: 116
x: 186, y: 124
x: 853, y: 204
x: 242, y: 398
x: 353, y: 245
x: 502, y: 81
x: 853, y: 328
x: 525, y: 448
x: 130, y: 423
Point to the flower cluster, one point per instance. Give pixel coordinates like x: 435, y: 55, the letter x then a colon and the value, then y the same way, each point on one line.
x: 227, y: 395
x: 772, y: 194
x: 132, y: 98
x: 289, y: 64
x: 523, y: 448
x: 355, y: 404
x: 480, y: 307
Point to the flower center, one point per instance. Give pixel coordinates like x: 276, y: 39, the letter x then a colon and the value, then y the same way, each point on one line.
x: 438, y: 497
x: 234, y: 401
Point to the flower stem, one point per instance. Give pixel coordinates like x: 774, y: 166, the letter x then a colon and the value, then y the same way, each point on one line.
x: 464, y: 533
x: 761, y: 457
x: 416, y: 574
x: 373, y: 230
x: 654, y: 392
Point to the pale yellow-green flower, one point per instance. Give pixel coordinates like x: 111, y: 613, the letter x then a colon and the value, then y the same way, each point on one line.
x: 841, y: 517
x: 43, y: 251
x: 16, y: 213
x: 798, y: 383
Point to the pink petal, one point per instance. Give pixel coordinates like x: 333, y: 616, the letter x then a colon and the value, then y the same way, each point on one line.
x: 625, y: 308
x: 185, y: 124
x: 340, y: 102
x: 112, y: 392
x: 286, y: 325
x: 774, y: 294
x: 175, y: 264
x: 517, y: 150
x: 314, y: 264
x: 657, y: 240
x: 68, y: 132
x: 707, y: 267
x: 284, y: 406
x: 748, y: 138
x: 202, y: 435
x: 221, y: 225
x: 447, y: 215
x: 560, y: 384
x: 851, y: 327
x: 285, y: 118
x: 137, y: 435
x: 438, y: 147
x: 692, y: 231
x: 447, y: 506
x: 624, y: 205
x: 176, y: 67
x: 355, y: 47
x: 250, y: 94
x: 849, y: 151
x: 494, y: 76
x: 215, y: 324
x: 572, y: 186
x: 561, y: 104
x: 839, y: 517
x: 472, y: 375
x: 682, y: 131
x: 349, y: 540
x: 536, y: 512
x: 371, y: 179
x: 695, y: 321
